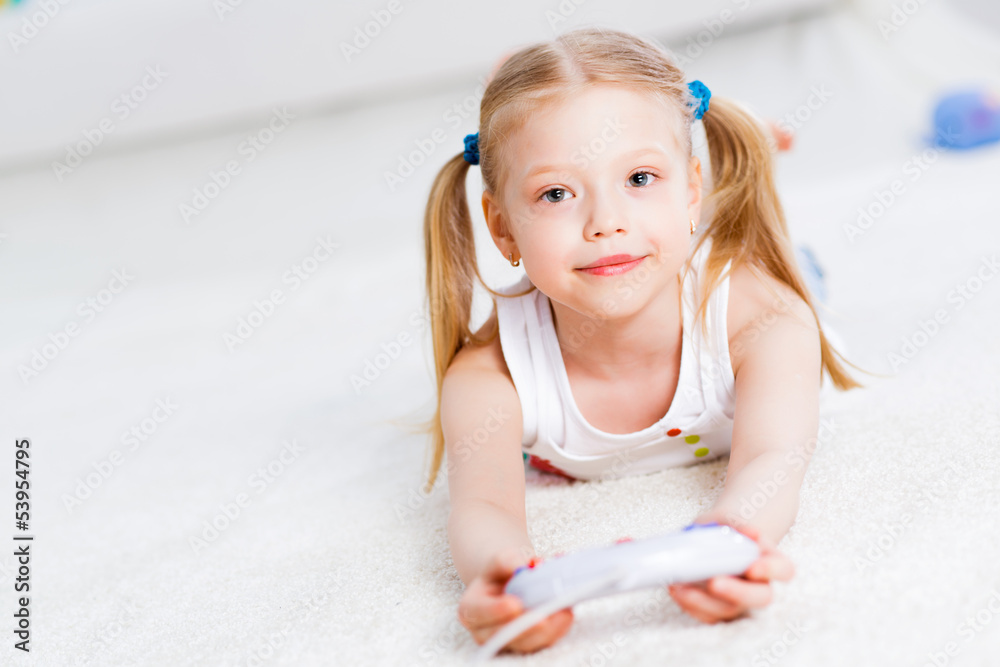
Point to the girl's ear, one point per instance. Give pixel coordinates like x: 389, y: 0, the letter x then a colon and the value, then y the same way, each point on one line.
x: 694, y: 188
x: 498, y: 229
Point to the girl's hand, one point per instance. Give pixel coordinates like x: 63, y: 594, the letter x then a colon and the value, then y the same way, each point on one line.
x: 484, y: 608
x: 724, y: 598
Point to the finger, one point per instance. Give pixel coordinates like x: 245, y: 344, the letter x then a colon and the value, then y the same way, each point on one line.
x: 489, y: 621
x: 748, y: 530
x: 774, y: 566
x: 741, y: 592
x: 500, y: 570
x: 708, y: 605
x: 763, y: 541
x: 485, y: 611
x: 542, y: 634
x: 679, y: 594
x: 503, y: 565
x: 695, y: 612
x: 766, y: 544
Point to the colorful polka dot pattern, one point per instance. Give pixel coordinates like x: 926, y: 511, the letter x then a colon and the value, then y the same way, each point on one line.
x: 691, y: 440
x: 545, y: 465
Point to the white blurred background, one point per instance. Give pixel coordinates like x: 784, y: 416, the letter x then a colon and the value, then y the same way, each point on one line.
x: 228, y: 62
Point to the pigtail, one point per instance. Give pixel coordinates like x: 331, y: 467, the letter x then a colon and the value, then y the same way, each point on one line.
x: 747, y: 220
x: 450, y: 254
x: 452, y: 272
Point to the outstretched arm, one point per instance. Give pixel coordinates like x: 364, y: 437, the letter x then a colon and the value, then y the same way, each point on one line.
x: 777, y: 363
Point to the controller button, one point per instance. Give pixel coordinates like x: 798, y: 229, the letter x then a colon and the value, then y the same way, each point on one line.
x: 700, y: 525
x: 674, y: 432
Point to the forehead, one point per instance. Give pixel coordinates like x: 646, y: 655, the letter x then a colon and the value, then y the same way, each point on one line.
x: 600, y: 123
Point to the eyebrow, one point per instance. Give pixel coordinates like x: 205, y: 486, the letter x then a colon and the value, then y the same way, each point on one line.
x: 558, y: 167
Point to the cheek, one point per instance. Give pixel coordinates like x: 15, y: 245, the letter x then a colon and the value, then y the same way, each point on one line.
x: 527, y: 223
x: 548, y: 248
x: 543, y: 242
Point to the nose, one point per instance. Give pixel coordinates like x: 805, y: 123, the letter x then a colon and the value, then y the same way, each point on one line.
x: 606, y: 216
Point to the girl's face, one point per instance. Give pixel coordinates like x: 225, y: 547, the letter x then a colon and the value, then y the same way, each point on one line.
x: 598, y: 175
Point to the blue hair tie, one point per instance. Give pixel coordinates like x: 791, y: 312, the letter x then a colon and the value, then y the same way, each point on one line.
x: 699, y: 92
x: 471, y: 154
x: 701, y: 95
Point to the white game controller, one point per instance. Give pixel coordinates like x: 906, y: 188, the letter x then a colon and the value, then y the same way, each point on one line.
x: 696, y: 553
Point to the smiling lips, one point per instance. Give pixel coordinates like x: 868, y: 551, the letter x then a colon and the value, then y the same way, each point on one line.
x: 612, y: 265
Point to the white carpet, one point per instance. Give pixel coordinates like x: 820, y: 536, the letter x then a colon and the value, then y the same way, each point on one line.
x: 338, y: 559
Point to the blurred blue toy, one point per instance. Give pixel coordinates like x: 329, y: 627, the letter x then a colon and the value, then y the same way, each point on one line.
x: 967, y: 119
x: 811, y: 271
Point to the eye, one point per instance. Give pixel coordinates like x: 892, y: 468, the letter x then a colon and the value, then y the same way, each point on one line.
x: 643, y: 181
x: 559, y: 192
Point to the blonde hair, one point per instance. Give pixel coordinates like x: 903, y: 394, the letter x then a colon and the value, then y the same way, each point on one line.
x: 747, y: 224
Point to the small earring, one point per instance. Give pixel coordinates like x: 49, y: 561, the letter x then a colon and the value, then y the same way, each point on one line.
x: 693, y: 226
x: 510, y: 258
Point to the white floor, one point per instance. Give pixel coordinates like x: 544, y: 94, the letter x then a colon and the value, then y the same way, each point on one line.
x: 338, y: 559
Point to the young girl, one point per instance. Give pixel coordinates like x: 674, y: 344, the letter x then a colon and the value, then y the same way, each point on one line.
x: 652, y: 328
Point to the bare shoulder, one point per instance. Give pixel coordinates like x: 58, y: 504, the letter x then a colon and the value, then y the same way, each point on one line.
x: 757, y: 301
x: 487, y: 357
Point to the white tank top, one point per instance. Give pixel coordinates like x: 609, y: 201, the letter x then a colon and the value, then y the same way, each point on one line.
x: 698, y: 426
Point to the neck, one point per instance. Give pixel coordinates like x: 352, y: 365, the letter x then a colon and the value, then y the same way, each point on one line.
x: 618, y: 348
